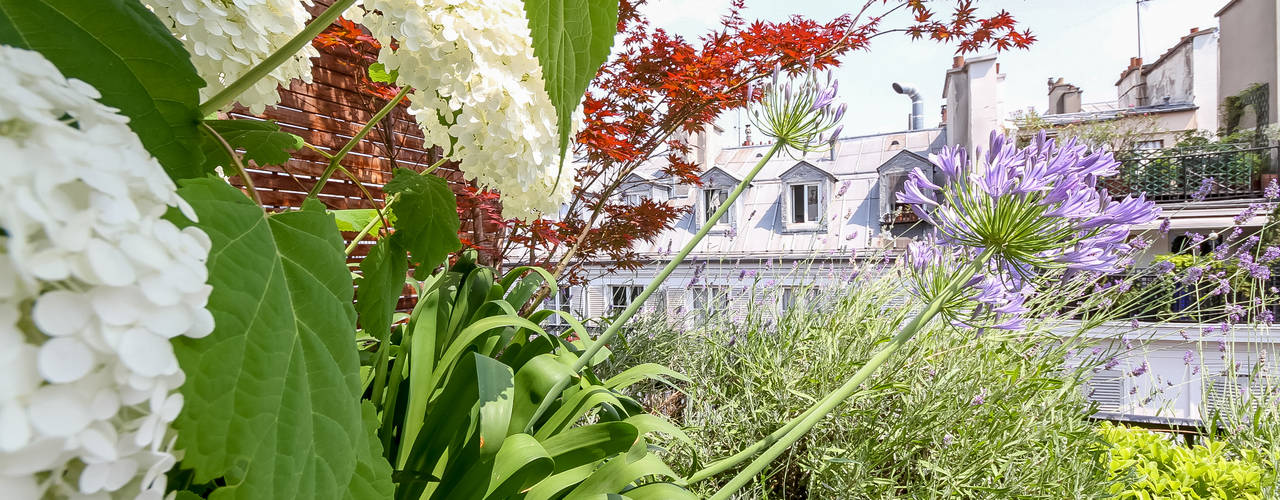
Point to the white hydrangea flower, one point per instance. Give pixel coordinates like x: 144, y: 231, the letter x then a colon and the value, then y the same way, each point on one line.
x: 228, y: 37
x: 478, y: 86
x: 95, y: 285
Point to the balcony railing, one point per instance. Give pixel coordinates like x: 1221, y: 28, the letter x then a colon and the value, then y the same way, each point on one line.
x: 1154, y: 297
x: 902, y: 214
x: 1177, y: 174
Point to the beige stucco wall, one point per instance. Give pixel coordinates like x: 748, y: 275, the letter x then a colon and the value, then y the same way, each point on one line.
x: 1247, y: 49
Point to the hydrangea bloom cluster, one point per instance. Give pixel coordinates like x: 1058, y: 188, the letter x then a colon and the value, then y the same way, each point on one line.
x: 228, y: 37
x: 481, y: 89
x: 1027, y: 210
x: 96, y: 284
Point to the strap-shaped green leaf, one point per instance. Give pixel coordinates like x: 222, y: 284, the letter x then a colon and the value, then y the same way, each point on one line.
x: 519, y: 465
x: 469, y: 422
x: 276, y: 406
x: 574, y: 408
x: 660, y: 491
x: 650, y: 371
x: 589, y: 444
x: 619, y: 473
x: 120, y: 48
x: 533, y: 381
x: 571, y: 39
x: 262, y: 141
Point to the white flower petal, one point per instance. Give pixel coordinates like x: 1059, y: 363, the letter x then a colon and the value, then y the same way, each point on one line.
x: 146, y: 353
x: 64, y: 360
x: 58, y: 410
x: 109, y: 264
x: 61, y: 312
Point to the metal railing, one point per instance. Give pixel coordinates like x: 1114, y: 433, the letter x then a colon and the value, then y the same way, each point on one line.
x: 1179, y: 174
x: 1153, y: 297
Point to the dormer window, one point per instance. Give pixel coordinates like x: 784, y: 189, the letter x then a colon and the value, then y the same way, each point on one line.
x: 804, y: 197
x: 893, y: 175
x: 716, y: 186
x: 805, y: 207
x: 711, y: 200
x: 633, y: 199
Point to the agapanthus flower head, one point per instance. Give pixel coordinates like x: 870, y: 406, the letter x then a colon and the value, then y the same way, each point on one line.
x: 1035, y: 207
x: 801, y: 115
x: 1026, y: 213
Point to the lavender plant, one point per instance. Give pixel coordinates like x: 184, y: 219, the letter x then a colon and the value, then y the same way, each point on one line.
x: 1004, y: 222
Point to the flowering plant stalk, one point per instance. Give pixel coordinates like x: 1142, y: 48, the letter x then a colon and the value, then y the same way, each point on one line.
x: 1014, y: 217
x: 797, y: 118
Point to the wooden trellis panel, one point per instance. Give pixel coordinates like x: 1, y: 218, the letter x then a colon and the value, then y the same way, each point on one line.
x: 326, y: 114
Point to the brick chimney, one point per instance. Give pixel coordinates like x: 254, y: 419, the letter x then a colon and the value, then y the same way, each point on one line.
x: 957, y: 62
x: 1063, y: 97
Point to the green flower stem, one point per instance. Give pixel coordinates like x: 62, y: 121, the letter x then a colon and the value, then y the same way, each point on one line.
x: 351, y: 144
x: 727, y: 463
x: 276, y: 58
x: 850, y: 387
x: 616, y: 325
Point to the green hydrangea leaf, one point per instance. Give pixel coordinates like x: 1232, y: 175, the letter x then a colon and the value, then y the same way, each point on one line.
x: 355, y: 219
x: 372, y: 479
x: 273, y: 394
x: 426, y: 217
x: 378, y: 73
x: 120, y: 48
x: 571, y: 39
x: 261, y: 141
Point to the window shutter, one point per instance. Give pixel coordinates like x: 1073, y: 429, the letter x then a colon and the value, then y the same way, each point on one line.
x: 595, y: 302
x: 675, y: 302
x: 1107, y: 389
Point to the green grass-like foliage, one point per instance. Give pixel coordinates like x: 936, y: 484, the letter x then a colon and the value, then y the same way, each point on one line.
x: 467, y: 372
x: 914, y: 432
x: 1146, y: 465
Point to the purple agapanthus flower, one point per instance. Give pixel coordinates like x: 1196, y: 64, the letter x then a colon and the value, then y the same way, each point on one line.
x: 1029, y: 210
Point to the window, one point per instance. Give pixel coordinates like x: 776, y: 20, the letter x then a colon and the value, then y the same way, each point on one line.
x: 558, y: 302
x: 1155, y: 144
x: 798, y: 296
x: 711, y: 201
x: 709, y: 301
x: 633, y: 199
x: 804, y: 204
x: 621, y: 296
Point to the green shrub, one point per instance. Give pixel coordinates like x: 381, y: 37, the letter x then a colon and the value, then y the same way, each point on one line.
x: 1145, y: 465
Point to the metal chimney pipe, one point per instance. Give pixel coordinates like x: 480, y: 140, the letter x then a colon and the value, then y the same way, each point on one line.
x: 917, y: 104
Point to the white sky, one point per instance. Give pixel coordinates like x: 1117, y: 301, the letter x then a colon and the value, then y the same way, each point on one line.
x: 1087, y: 42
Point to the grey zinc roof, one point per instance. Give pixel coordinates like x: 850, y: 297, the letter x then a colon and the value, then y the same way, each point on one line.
x: 851, y: 216
x: 1112, y: 114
